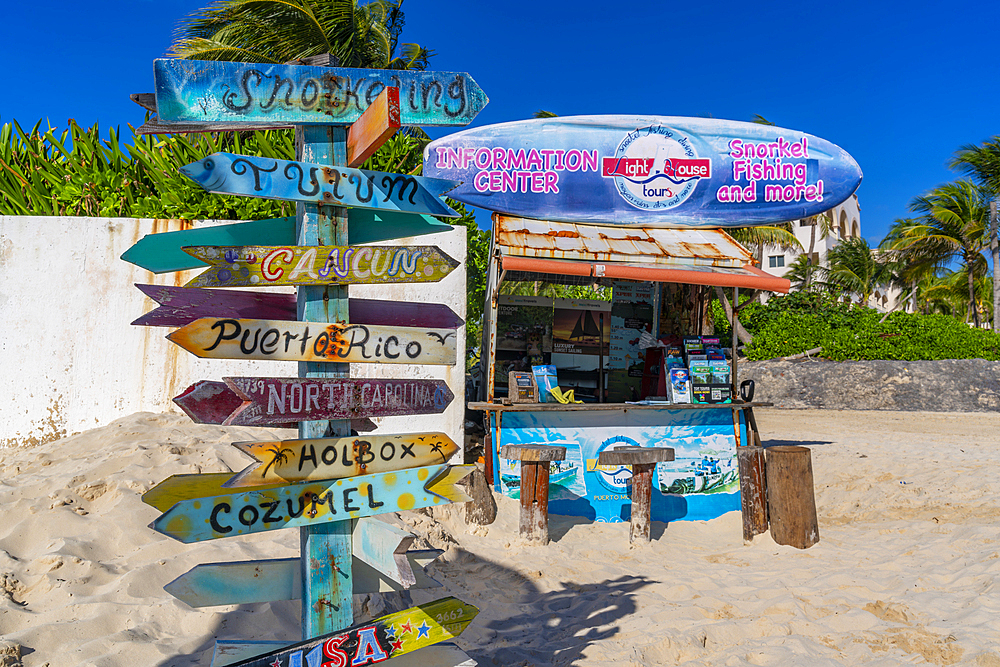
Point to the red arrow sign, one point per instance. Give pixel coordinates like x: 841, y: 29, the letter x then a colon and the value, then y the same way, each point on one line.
x: 280, y: 401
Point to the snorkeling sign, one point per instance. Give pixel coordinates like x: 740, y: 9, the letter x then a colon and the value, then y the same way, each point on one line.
x: 644, y: 170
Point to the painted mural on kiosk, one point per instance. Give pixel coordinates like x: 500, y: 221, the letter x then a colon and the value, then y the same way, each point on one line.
x: 701, y: 483
x: 644, y: 170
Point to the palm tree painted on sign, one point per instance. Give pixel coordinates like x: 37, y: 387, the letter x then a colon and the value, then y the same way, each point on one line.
x: 279, y: 455
x: 951, y: 226
x: 281, y: 31
x: 436, y: 447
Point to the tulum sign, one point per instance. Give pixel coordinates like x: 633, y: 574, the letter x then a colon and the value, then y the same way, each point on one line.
x: 281, y: 461
x: 644, y: 170
x: 202, y: 91
x: 268, y: 178
x: 230, y: 338
x: 272, y: 401
x: 309, y: 503
x: 258, y: 266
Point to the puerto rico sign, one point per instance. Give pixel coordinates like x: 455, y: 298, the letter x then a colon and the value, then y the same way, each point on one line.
x: 644, y: 170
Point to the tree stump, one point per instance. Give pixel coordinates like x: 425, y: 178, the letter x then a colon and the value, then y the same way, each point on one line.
x: 753, y: 490
x: 791, y: 504
x: 535, y: 460
x: 643, y: 461
x: 482, y: 509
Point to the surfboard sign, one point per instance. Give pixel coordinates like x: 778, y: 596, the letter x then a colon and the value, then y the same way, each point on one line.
x: 654, y: 171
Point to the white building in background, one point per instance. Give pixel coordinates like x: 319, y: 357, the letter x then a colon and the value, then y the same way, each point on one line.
x: 846, y: 224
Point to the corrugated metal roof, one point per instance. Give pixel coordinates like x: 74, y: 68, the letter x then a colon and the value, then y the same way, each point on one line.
x: 565, y: 240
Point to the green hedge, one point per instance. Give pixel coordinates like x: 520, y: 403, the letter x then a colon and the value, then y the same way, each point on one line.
x: 805, y: 320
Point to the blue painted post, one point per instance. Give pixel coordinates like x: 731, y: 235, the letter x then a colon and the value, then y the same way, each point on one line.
x: 326, y: 550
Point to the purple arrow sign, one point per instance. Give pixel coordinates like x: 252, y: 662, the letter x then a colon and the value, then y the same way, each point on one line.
x: 183, y: 305
x: 281, y: 401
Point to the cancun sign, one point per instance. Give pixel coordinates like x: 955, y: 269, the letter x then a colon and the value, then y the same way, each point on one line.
x: 644, y: 170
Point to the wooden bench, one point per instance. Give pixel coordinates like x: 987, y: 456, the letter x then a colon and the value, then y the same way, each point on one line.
x: 534, y: 517
x: 643, y: 461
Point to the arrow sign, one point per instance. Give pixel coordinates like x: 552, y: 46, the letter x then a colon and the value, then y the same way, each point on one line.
x: 383, y: 547
x: 250, y: 582
x: 279, y: 401
x: 283, y: 461
x: 376, y: 641
x: 379, y: 122
x: 216, y: 338
x: 269, y: 178
x: 182, y: 305
x: 200, y: 91
x: 161, y: 253
x: 444, y: 654
x: 311, y: 503
x: 260, y: 266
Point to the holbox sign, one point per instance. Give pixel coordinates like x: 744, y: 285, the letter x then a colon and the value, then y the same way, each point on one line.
x: 648, y: 170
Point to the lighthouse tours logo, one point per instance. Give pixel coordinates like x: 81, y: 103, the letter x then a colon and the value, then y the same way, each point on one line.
x: 656, y: 168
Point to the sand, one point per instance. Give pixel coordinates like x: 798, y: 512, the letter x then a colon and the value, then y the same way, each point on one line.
x: 906, y: 570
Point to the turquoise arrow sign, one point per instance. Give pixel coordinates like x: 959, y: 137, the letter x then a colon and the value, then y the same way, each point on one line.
x: 295, y: 505
x: 201, y: 91
x: 269, y: 178
x: 161, y: 253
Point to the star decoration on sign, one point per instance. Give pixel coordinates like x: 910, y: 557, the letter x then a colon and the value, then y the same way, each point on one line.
x: 397, y: 644
x: 423, y: 630
x: 390, y: 632
x: 276, y: 663
x: 406, y: 627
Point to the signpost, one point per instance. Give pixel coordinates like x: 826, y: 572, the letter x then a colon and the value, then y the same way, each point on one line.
x: 311, y: 503
x: 162, y: 253
x: 183, y: 305
x: 278, y: 401
x: 370, y: 643
x: 268, y: 178
x: 648, y: 170
x: 251, y: 582
x: 230, y: 338
x: 333, y: 458
x: 343, y: 479
x: 258, y: 266
x: 200, y: 91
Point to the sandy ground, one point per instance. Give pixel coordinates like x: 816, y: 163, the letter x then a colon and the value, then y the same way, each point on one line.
x: 906, y: 570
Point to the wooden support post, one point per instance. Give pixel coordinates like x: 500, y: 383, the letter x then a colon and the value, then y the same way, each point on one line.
x: 753, y: 490
x: 643, y: 461
x: 326, y: 549
x: 535, y: 461
x: 791, y: 504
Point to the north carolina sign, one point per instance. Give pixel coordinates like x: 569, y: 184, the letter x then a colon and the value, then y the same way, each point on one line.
x: 644, y: 170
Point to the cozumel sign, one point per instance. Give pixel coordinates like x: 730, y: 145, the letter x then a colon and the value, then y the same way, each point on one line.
x: 648, y: 170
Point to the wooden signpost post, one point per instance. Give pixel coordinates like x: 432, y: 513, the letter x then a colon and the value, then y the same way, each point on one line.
x: 309, y: 182
x: 258, y: 266
x: 336, y: 481
x: 278, y: 401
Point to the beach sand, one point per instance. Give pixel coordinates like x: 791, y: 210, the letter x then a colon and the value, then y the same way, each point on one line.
x: 906, y: 571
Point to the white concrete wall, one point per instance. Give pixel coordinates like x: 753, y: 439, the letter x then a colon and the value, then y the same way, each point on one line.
x: 71, y: 361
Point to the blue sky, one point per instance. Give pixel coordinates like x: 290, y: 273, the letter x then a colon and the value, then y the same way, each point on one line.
x: 899, y: 85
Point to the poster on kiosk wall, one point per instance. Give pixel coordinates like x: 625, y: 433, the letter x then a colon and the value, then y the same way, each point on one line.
x: 701, y: 483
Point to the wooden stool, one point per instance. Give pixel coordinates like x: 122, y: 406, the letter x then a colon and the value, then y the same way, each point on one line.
x: 534, y: 520
x: 791, y: 505
x: 753, y: 490
x: 643, y: 461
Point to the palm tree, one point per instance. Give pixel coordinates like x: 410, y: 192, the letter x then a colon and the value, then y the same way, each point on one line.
x: 983, y: 163
x: 280, y: 31
x: 952, y: 225
x: 854, y: 268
